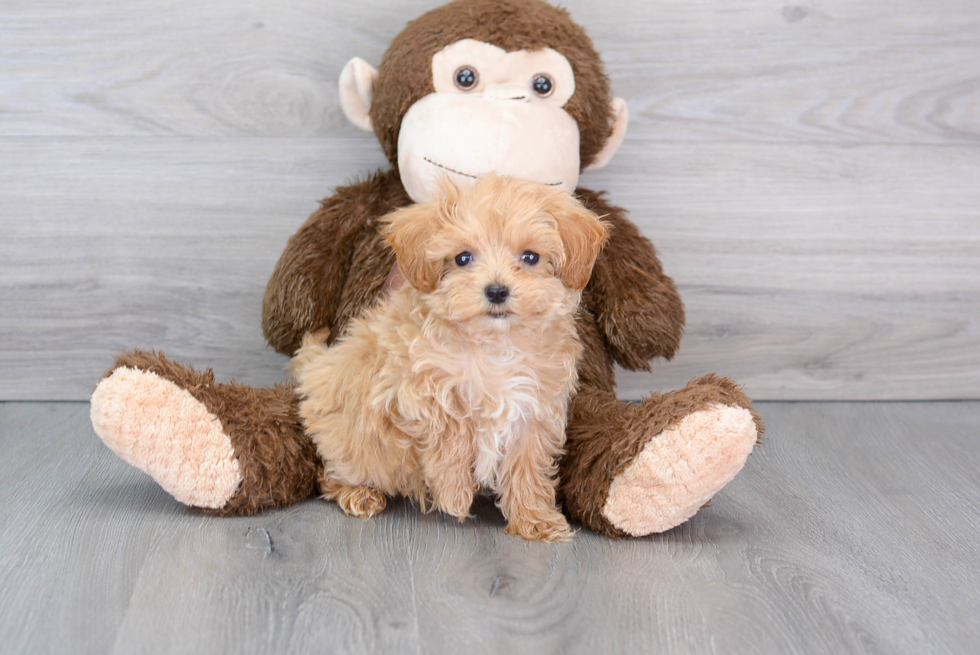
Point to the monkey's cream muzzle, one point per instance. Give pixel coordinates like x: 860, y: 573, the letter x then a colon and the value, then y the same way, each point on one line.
x: 466, y: 137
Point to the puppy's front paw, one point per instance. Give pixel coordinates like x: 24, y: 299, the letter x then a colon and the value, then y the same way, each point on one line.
x: 456, y: 501
x: 550, y: 526
x: 362, y: 502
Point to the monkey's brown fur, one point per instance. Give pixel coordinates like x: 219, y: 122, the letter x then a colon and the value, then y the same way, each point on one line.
x: 336, y: 265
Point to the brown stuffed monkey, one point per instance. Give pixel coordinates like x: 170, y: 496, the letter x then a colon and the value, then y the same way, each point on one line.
x: 512, y: 86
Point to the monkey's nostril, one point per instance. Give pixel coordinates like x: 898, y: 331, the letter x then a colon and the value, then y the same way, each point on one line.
x: 496, y: 293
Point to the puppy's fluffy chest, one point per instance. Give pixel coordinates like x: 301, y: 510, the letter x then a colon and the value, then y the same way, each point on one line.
x: 500, y: 390
x: 497, y: 389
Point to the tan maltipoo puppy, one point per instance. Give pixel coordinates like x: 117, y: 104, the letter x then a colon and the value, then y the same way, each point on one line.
x: 460, y: 379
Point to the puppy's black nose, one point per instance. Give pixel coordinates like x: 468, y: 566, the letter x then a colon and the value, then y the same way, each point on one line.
x: 496, y: 294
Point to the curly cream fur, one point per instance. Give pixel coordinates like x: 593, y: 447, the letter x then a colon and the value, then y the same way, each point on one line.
x: 436, y: 392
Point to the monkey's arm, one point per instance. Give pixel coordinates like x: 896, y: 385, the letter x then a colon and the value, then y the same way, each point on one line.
x: 314, y: 279
x: 636, y: 306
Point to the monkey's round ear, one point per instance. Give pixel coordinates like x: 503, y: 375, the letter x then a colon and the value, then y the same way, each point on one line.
x: 621, y: 116
x: 356, y: 91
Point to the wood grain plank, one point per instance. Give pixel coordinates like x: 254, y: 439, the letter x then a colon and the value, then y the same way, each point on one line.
x: 853, y: 528
x: 818, y: 271
x: 156, y: 243
x: 71, y: 550
x: 880, y: 71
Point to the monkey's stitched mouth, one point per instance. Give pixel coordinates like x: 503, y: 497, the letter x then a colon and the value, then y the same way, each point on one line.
x: 470, y: 175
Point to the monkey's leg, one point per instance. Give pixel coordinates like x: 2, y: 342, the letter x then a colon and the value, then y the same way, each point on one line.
x: 227, y: 448
x: 633, y: 469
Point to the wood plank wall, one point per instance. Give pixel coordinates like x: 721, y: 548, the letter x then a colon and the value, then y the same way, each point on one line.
x: 809, y: 172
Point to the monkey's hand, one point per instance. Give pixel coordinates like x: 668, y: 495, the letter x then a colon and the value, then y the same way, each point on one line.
x: 636, y: 306
x: 308, y: 289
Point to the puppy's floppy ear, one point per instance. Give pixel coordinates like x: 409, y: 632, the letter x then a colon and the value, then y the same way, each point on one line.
x: 583, y: 234
x: 409, y: 231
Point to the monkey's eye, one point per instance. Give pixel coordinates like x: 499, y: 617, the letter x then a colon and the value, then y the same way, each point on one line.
x: 530, y: 258
x: 543, y: 85
x: 464, y: 258
x: 466, y: 78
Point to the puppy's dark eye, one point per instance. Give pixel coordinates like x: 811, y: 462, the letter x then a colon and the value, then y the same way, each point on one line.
x: 466, y: 78
x: 530, y: 258
x: 543, y: 85
x: 464, y: 258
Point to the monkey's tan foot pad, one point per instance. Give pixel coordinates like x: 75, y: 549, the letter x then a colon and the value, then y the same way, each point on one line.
x: 680, y: 469
x: 161, y: 429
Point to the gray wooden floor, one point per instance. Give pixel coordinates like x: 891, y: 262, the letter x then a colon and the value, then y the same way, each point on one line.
x: 854, y: 528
